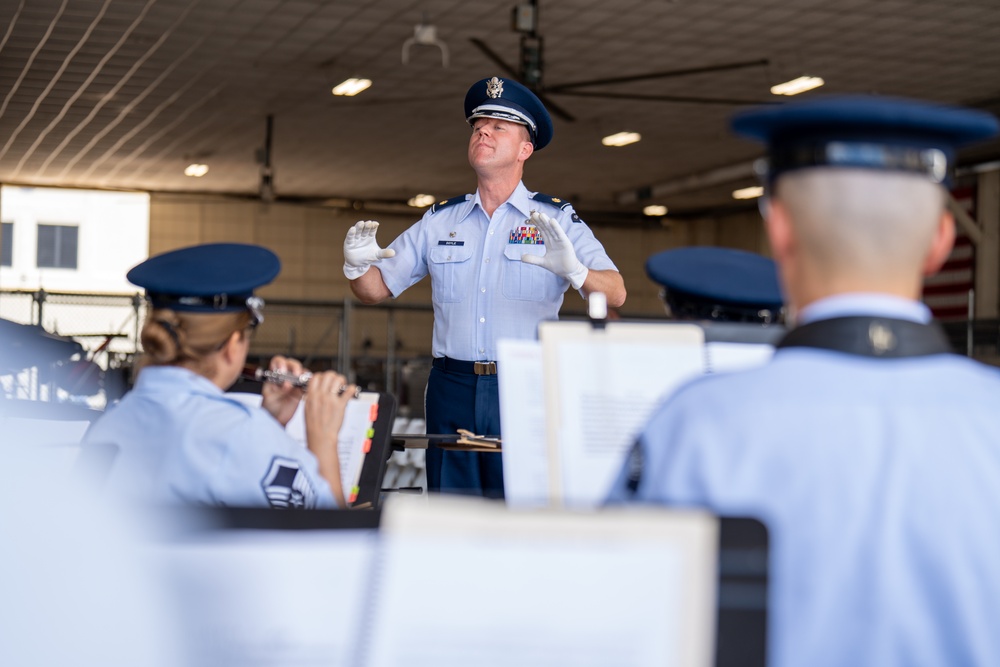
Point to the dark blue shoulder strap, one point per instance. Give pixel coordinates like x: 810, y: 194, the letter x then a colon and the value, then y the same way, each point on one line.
x: 449, y: 202
x: 549, y: 199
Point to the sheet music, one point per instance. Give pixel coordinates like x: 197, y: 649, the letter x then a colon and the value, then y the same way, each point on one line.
x: 355, y: 439
x: 601, y: 387
x: 501, y: 587
x: 350, y: 441
x: 522, y: 415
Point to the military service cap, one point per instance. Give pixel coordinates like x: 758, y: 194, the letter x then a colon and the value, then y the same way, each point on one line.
x: 508, y: 100
x: 707, y: 283
x: 210, y: 278
x: 865, y: 131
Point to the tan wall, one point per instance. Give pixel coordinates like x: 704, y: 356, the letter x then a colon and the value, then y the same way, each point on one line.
x: 309, y: 241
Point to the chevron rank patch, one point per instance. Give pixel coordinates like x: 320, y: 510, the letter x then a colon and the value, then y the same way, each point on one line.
x: 286, y: 486
x: 526, y: 235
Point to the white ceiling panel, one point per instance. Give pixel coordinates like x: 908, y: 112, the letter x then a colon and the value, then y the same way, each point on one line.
x: 125, y: 94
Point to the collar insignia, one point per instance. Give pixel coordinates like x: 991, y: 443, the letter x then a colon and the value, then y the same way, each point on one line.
x: 881, y: 338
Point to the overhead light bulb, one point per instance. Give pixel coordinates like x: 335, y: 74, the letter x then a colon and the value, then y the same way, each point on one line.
x: 752, y: 192
x: 654, y: 210
x: 420, y: 201
x: 796, y: 86
x: 351, y: 87
x: 196, y: 170
x: 621, y: 139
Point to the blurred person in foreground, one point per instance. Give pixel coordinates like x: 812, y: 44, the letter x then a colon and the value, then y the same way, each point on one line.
x: 181, y: 438
x: 500, y: 261
x: 869, y: 449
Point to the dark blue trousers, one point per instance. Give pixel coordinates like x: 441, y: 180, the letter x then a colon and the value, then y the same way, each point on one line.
x: 460, y: 400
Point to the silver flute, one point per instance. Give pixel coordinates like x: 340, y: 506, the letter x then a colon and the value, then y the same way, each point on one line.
x: 300, y: 381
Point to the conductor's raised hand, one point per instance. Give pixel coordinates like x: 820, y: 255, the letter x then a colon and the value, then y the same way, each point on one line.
x: 361, y: 249
x: 281, y: 400
x: 560, y: 257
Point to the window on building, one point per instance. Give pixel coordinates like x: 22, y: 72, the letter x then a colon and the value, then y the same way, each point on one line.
x: 6, y: 244
x: 57, y: 246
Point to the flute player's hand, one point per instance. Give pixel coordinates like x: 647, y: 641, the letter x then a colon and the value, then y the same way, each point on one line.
x: 326, y: 402
x: 281, y: 400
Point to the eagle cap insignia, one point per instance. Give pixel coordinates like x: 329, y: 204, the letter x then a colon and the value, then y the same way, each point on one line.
x: 494, y: 88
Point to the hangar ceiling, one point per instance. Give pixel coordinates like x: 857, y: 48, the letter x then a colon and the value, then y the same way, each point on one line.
x: 126, y: 93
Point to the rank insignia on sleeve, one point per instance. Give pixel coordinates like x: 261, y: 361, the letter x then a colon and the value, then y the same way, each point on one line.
x: 526, y: 235
x: 286, y: 486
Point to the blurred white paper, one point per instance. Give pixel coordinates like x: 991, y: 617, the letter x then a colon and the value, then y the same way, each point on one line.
x: 522, y: 418
x: 499, y: 587
x: 272, y: 598
x: 725, y: 357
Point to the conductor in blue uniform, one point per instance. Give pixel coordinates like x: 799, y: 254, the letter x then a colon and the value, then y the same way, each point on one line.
x: 868, y: 448
x: 499, y: 259
x: 181, y: 438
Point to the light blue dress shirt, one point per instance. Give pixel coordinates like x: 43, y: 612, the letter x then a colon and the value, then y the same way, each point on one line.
x: 481, y: 290
x: 879, y: 480
x: 183, y: 440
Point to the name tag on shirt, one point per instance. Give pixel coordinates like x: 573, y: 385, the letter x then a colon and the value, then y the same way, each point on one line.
x: 526, y: 235
x: 451, y: 242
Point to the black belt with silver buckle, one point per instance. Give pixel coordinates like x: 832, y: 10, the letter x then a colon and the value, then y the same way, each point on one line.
x: 467, y: 367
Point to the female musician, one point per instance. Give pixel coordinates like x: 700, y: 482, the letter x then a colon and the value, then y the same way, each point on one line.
x: 181, y: 438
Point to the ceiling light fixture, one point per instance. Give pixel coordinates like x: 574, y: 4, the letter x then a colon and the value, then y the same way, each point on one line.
x: 796, y: 86
x: 621, y: 139
x: 752, y: 192
x: 654, y: 210
x: 196, y: 170
x: 351, y: 87
x: 421, y: 201
x: 425, y: 35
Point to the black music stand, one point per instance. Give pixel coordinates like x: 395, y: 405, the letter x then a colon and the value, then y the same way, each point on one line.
x: 377, y: 458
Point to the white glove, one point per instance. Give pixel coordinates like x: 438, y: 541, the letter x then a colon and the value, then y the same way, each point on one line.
x: 559, y: 257
x: 361, y: 249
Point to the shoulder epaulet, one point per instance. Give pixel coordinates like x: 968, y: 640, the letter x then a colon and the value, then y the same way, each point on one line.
x: 548, y: 199
x: 445, y: 203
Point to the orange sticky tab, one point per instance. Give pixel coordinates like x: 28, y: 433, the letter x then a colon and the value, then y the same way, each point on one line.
x: 366, y: 446
x: 373, y: 414
x: 354, y: 495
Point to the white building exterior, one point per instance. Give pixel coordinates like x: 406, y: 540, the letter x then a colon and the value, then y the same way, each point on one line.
x: 113, y: 236
x: 104, y: 234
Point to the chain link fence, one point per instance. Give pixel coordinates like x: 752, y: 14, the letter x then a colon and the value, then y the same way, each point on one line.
x: 382, y: 348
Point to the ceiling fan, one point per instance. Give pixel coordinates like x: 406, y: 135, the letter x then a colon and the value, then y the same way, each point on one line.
x: 530, y: 70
